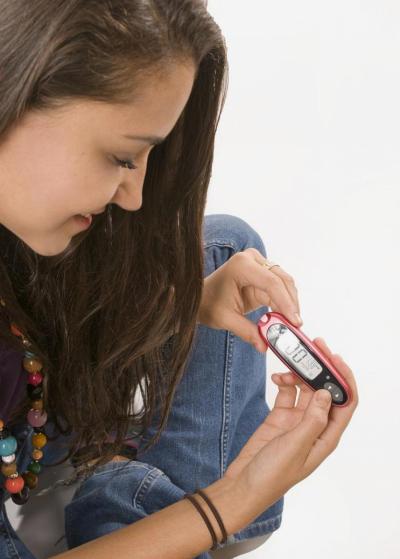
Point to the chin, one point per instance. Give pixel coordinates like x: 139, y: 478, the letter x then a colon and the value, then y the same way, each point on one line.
x: 47, y: 248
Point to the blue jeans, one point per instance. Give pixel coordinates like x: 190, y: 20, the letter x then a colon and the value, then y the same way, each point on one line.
x: 218, y: 405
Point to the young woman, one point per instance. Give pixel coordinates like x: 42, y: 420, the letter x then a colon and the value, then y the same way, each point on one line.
x: 110, y: 108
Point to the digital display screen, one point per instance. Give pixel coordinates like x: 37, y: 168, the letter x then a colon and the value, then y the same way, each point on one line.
x: 292, y: 349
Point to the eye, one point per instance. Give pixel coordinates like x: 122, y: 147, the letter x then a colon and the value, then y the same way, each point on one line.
x: 126, y: 163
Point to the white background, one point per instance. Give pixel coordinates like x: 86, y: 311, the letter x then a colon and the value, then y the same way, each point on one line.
x: 308, y: 154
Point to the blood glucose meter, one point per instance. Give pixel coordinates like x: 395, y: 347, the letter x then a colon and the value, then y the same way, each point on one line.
x: 303, y: 357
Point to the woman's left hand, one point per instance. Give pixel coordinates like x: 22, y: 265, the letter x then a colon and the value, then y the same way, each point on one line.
x: 242, y: 285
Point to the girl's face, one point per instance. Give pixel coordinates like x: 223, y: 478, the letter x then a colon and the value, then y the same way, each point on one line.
x: 57, y: 165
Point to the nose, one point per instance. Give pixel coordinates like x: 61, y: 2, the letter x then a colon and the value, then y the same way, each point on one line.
x: 129, y: 195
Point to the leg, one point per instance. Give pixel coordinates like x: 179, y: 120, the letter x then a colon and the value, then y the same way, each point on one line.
x: 218, y: 405
x: 220, y: 401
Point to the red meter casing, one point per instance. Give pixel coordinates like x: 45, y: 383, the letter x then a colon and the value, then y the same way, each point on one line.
x: 303, y: 357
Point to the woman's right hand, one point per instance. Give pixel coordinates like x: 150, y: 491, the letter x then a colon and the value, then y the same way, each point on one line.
x: 294, y: 438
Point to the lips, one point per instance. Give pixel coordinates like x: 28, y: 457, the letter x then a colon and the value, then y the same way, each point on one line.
x: 91, y: 214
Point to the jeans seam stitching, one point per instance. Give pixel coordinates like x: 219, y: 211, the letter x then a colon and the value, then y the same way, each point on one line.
x: 111, y: 467
x: 221, y: 242
x: 261, y: 524
x: 144, y: 486
x: 227, y: 401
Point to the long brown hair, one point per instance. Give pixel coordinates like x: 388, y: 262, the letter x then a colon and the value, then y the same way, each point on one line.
x: 116, y: 311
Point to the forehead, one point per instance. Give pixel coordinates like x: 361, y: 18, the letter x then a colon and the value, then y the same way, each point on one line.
x: 158, y: 102
x: 154, y: 110
x: 156, y: 106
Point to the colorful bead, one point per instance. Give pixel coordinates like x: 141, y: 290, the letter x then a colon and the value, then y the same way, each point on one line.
x: 36, y: 418
x: 20, y: 486
x: 32, y: 365
x: 8, y: 446
x: 22, y: 497
x: 4, y: 433
x: 9, y: 469
x: 31, y: 479
x: 14, y: 484
x: 8, y: 459
x: 34, y: 467
x: 37, y: 404
x: 37, y: 454
x: 39, y: 440
x: 34, y: 392
x: 35, y: 378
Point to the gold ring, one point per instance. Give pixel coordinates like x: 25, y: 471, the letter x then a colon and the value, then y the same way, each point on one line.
x: 269, y: 264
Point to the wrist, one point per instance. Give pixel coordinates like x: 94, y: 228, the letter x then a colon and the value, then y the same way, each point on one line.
x: 231, y: 501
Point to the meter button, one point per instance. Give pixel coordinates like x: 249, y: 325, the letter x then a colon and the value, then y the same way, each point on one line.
x: 336, y: 392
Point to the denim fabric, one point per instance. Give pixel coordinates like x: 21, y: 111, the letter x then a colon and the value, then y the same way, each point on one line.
x: 218, y: 405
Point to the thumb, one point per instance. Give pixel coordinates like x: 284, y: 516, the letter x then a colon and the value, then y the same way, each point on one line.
x: 314, y: 421
x: 246, y: 330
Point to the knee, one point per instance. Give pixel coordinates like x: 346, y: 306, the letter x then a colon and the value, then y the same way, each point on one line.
x: 232, y: 231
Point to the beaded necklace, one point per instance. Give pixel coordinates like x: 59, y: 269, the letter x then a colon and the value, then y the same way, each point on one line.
x: 17, y: 485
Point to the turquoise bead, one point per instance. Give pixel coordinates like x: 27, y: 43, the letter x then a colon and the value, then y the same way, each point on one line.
x: 30, y: 354
x: 8, y: 446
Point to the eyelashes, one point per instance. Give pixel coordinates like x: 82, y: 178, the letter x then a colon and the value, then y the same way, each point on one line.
x: 126, y: 164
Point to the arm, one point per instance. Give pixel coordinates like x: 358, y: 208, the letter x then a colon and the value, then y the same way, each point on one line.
x: 174, y: 532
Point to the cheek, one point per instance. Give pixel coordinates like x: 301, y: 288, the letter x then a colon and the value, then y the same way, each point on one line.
x: 46, y: 188
x: 56, y: 201
x: 46, y: 193
x: 50, y: 203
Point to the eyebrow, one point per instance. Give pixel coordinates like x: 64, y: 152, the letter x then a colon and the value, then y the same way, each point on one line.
x: 152, y: 140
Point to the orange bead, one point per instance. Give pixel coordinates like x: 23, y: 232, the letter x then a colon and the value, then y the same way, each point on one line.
x: 37, y: 404
x: 8, y: 469
x: 39, y: 440
x: 32, y: 365
x: 14, y: 484
x: 30, y: 479
x: 1, y: 424
x: 37, y: 454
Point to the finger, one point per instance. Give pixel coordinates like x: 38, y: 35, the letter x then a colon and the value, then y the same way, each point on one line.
x: 344, y: 369
x: 289, y: 284
x: 313, y: 423
x: 322, y: 345
x: 250, y: 272
x: 290, y: 379
x: 267, y: 300
x: 339, y: 418
x: 244, y: 329
x: 287, y: 279
x: 286, y: 397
